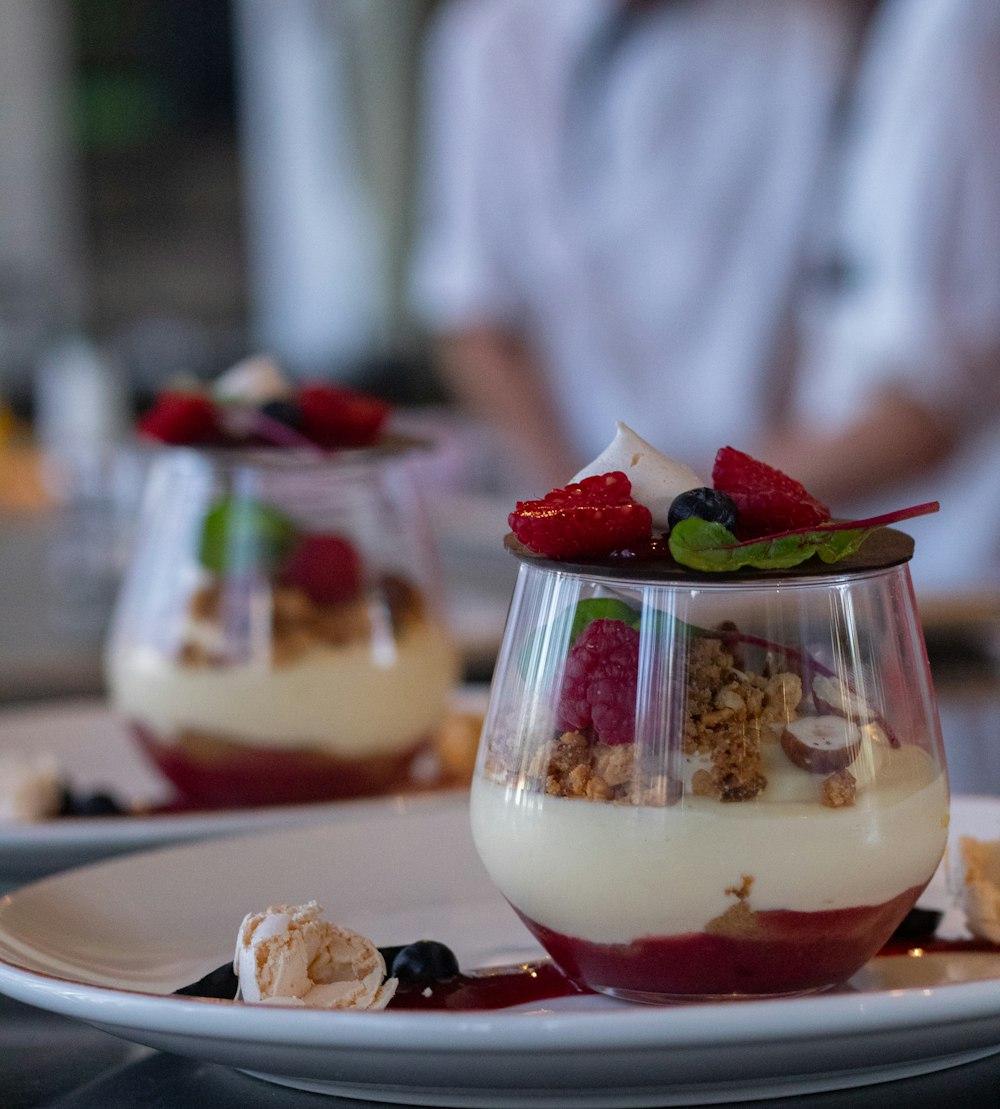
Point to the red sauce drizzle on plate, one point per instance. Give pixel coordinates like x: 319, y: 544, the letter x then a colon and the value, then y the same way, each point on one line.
x: 497, y: 988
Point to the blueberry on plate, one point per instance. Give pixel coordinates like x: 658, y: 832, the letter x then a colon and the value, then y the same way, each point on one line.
x: 424, y: 961
x: 99, y: 803
x: 220, y: 983
x: 705, y: 504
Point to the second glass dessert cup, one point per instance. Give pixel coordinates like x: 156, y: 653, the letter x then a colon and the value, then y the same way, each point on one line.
x: 700, y: 787
x: 278, y: 638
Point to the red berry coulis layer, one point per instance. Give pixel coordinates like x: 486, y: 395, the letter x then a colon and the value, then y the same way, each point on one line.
x: 226, y: 775
x: 789, y: 952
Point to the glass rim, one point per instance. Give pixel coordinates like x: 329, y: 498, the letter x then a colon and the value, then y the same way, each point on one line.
x: 388, y: 448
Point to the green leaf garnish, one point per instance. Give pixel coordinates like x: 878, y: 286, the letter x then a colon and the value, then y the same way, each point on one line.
x: 601, y: 608
x: 707, y: 546
x: 240, y: 534
x: 546, y: 648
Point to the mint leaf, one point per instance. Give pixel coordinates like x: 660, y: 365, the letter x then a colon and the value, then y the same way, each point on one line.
x: 240, y: 535
x: 601, y: 608
x: 707, y: 546
x: 546, y: 648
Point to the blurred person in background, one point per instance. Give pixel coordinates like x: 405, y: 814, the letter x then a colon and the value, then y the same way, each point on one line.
x: 616, y: 199
x: 766, y: 224
x: 897, y: 392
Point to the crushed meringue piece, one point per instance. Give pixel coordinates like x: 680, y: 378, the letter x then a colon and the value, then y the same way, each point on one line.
x: 30, y: 787
x: 290, y: 955
x: 979, y: 894
x: 656, y: 478
x: 254, y: 380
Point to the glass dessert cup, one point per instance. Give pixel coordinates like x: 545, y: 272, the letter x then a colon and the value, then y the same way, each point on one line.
x: 703, y: 786
x: 278, y: 636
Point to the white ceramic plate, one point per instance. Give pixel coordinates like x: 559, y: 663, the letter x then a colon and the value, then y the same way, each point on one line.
x: 93, y: 746
x: 109, y: 943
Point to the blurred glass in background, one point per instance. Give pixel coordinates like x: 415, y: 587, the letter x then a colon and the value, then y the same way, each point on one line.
x: 182, y: 185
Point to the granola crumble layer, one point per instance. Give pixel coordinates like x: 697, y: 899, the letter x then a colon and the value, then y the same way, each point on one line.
x: 366, y: 678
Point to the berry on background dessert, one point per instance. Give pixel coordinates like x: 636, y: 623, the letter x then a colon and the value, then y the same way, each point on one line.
x: 711, y: 766
x: 253, y: 405
x: 278, y: 638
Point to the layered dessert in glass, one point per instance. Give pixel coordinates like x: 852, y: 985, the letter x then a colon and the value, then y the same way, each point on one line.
x: 708, y: 781
x: 279, y: 636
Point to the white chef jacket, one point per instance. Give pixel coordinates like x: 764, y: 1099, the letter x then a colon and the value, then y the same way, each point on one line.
x: 918, y: 238
x: 641, y: 220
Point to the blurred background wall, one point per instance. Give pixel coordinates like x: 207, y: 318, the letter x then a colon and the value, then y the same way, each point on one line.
x: 186, y: 182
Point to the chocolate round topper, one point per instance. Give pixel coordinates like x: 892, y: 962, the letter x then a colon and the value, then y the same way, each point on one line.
x: 885, y: 547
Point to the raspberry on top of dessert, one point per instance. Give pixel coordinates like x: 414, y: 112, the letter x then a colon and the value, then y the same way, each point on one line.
x: 252, y: 404
x: 633, y: 501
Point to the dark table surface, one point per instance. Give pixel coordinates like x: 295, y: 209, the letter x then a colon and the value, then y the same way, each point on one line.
x: 51, y: 1062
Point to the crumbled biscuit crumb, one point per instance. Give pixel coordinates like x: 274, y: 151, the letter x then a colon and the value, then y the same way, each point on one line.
x: 299, y: 625
x: 839, y: 790
x: 727, y: 711
x: 703, y: 785
x: 739, y: 919
x: 578, y: 767
x: 742, y: 891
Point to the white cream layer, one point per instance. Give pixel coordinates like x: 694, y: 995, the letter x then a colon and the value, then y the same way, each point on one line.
x: 347, y: 700
x: 612, y: 873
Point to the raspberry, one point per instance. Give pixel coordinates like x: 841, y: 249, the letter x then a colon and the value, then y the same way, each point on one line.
x: 586, y: 519
x: 599, y: 682
x: 182, y: 419
x: 767, y: 500
x: 326, y: 568
x: 333, y: 417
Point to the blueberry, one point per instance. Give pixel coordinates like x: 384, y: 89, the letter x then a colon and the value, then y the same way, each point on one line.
x: 221, y: 983
x: 67, y: 802
x: 286, y: 412
x: 90, y: 804
x: 705, y: 504
x: 918, y: 924
x: 425, y: 961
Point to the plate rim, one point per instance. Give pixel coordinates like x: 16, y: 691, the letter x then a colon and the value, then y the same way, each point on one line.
x: 27, y: 846
x: 842, y: 1013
